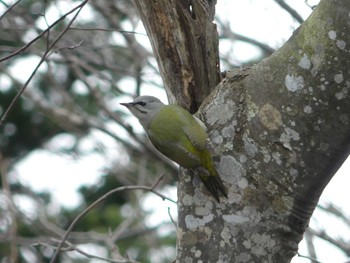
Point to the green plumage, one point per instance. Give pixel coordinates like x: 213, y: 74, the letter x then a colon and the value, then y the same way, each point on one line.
x: 178, y: 135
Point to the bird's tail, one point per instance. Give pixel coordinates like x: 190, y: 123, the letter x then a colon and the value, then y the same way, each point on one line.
x: 214, y: 184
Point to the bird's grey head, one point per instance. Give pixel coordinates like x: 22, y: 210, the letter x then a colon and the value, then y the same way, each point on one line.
x: 144, y: 108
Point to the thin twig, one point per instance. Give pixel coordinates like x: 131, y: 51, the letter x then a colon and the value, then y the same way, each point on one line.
x: 20, y: 50
x: 9, y: 9
x: 228, y: 33
x: 290, y: 10
x: 171, y: 217
x: 338, y: 242
x: 19, y: 93
x: 309, y: 239
x: 102, y: 198
x: 72, y: 247
x: 332, y: 209
x: 310, y: 258
x: 107, y: 30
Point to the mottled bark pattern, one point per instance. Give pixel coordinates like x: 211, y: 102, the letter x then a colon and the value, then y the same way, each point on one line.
x: 280, y: 130
x: 185, y: 42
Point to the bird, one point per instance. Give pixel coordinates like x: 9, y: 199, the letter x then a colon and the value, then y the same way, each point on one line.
x: 180, y: 136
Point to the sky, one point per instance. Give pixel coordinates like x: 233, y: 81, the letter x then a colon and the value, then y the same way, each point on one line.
x: 251, y: 18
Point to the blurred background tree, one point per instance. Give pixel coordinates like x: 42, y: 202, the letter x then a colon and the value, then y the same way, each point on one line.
x: 92, y: 55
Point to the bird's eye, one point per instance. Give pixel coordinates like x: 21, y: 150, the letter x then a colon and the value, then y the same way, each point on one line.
x: 141, y: 103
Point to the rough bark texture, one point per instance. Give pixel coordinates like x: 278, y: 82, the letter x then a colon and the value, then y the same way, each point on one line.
x: 185, y: 43
x: 280, y: 130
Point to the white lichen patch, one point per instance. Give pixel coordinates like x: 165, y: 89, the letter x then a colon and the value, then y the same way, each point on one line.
x: 252, y: 213
x: 235, y: 219
x: 341, y: 94
x: 270, y: 117
x: 272, y: 188
x: 243, y: 257
x: 341, y: 44
x: 229, y: 131
x: 305, y: 62
x: 242, y: 183
x: 247, y: 244
x: 322, y: 87
x: 287, y: 136
x: 198, y: 253
x: 188, y: 260
x: 216, y: 138
x: 307, y: 109
x: 200, y: 198
x: 262, y: 244
x: 277, y: 157
x: 293, y: 172
x: 234, y: 198
x: 267, y: 157
x: 253, y: 109
x: 226, y: 235
x: 250, y: 147
x: 187, y: 200
x: 195, y: 222
x: 243, y: 158
x: 202, y: 211
x: 230, y: 169
x: 294, y: 83
x: 221, y: 111
x: 339, y: 78
x: 332, y: 34
x: 292, y: 134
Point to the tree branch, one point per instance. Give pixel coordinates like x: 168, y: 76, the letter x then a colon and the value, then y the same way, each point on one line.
x: 185, y: 43
x: 99, y: 200
x: 290, y: 10
x: 49, y: 47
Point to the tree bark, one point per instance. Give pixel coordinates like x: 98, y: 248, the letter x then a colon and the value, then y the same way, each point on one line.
x: 280, y: 131
x: 185, y: 42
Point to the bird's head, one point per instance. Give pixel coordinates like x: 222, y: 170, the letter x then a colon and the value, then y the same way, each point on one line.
x: 144, y: 108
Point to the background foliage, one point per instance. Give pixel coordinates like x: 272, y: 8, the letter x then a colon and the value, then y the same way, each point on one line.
x: 92, y: 55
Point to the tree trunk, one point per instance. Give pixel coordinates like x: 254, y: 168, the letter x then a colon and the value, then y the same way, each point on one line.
x: 280, y: 131
x: 185, y: 43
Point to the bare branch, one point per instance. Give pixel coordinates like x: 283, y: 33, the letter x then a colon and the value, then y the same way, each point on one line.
x: 310, y: 258
x: 338, y: 242
x: 108, y: 30
x: 71, y: 247
x: 9, y: 9
x: 310, y: 244
x: 171, y: 218
x: 18, y: 51
x: 290, y: 10
x: 102, y: 198
x: 226, y: 32
x: 332, y: 209
x: 19, y: 93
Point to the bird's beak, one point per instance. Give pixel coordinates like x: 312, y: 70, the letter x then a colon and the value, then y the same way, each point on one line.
x: 129, y: 104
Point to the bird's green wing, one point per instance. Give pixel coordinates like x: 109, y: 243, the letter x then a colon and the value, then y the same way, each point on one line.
x: 168, y: 135
x: 193, y: 130
x: 179, y: 136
